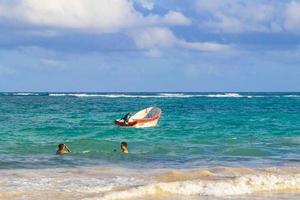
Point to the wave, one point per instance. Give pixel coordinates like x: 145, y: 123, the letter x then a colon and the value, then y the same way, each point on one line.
x: 154, y: 95
x: 210, y: 184
x: 232, y: 95
x: 163, y: 95
x: 239, y: 186
x: 292, y: 96
x: 160, y: 95
x: 114, y: 182
x: 25, y: 94
x: 177, y: 95
x: 102, y: 95
x: 75, y: 95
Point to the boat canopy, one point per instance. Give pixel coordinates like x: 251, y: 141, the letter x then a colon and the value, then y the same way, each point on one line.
x: 154, y: 111
x: 147, y: 117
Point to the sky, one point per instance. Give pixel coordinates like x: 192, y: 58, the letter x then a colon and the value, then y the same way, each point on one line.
x: 149, y: 45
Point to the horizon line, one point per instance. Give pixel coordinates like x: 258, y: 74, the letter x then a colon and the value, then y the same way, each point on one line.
x: 150, y: 92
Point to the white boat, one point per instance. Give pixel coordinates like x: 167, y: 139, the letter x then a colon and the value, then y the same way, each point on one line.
x: 147, y: 117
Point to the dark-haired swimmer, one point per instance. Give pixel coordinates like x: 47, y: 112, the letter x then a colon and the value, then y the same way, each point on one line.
x: 62, y: 149
x: 124, y: 148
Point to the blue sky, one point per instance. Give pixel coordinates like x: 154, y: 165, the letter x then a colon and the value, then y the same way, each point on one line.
x: 149, y: 45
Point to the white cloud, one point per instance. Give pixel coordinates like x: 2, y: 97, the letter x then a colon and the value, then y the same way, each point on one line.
x: 50, y: 17
x: 159, y: 37
x: 100, y: 16
x: 292, y: 19
x: 147, y: 4
x: 240, y: 15
x: 91, y: 15
x: 156, y: 37
x: 176, y: 18
x: 150, y: 33
x: 204, y: 46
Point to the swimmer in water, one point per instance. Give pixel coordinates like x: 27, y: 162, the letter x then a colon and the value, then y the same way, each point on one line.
x: 63, y: 149
x: 124, y: 148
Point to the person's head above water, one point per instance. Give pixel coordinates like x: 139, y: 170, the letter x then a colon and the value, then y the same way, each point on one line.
x: 62, y: 149
x: 61, y: 146
x: 124, y: 148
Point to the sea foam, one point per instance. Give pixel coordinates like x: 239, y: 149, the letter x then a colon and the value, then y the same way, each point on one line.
x: 160, y: 95
x: 156, y: 95
x: 25, y: 94
x: 233, y: 186
x: 163, y: 95
x: 232, y: 95
x: 119, y: 183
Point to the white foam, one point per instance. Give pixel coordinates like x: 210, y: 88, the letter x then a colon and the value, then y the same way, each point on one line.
x: 118, y: 183
x: 237, y: 186
x: 167, y: 95
x: 160, y: 95
x: 292, y: 96
x: 76, y: 95
x: 232, y: 95
x: 57, y: 95
x: 163, y: 95
x: 25, y: 94
x: 177, y: 95
x: 82, y: 182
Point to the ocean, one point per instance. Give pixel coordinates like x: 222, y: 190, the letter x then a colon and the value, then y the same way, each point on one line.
x: 207, y: 145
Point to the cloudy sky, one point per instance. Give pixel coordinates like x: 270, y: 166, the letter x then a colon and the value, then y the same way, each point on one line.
x: 149, y: 45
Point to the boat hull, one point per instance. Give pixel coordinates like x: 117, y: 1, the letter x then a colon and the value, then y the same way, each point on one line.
x: 137, y: 125
x: 137, y: 122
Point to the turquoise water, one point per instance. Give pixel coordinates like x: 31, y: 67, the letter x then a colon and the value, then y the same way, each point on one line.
x: 196, y: 129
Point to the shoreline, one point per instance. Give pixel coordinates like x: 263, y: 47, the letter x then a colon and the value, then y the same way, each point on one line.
x: 115, y: 182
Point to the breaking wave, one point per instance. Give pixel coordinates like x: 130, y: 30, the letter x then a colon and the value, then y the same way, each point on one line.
x: 206, y: 183
x: 233, y: 95
x: 75, y: 95
x: 155, y: 95
x: 177, y: 95
x: 160, y: 95
x: 25, y: 94
x: 292, y: 96
x: 237, y: 186
x: 120, y: 183
x: 104, y: 95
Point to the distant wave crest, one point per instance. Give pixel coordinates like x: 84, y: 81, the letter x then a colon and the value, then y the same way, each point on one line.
x: 25, y: 94
x: 160, y: 95
x: 292, y: 96
x: 232, y: 95
x: 156, y: 95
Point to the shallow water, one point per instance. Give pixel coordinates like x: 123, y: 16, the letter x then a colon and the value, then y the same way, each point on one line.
x: 196, y: 131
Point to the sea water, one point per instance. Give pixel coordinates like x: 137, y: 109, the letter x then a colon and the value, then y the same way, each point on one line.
x: 209, y: 135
